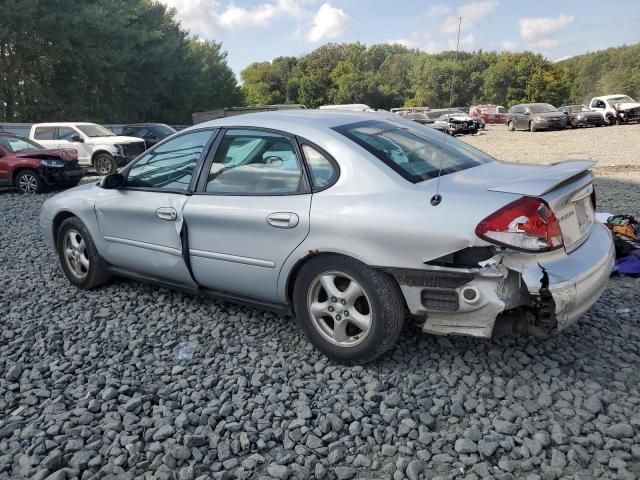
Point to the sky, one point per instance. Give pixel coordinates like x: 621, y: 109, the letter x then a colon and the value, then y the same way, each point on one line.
x: 261, y: 30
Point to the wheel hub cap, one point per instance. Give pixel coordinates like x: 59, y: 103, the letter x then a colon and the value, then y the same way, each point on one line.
x: 28, y: 183
x: 340, y: 309
x: 76, y: 254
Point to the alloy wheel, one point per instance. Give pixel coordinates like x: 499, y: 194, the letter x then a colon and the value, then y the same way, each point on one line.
x: 103, y: 165
x: 340, y: 309
x: 28, y: 183
x: 76, y: 254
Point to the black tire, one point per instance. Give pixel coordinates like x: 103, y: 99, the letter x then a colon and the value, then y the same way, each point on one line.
x: 574, y: 123
x: 28, y: 181
x: 532, y: 127
x: 104, y: 164
x: 611, y: 120
x: 511, y: 126
x: 96, y: 274
x: 381, y: 292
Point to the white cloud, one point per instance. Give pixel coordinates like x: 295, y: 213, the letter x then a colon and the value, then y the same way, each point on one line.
x: 422, y: 41
x: 471, y: 14
x: 329, y: 23
x: 438, y: 10
x: 509, y: 46
x: 532, y: 29
x: 210, y: 17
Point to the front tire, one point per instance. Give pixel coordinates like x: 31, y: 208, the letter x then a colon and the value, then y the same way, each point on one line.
x: 511, y: 126
x: 611, y: 120
x: 28, y: 181
x: 532, y: 127
x: 78, y: 255
x: 105, y: 164
x: 348, y: 310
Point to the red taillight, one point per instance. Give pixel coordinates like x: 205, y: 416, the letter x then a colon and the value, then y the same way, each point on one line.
x: 526, y: 224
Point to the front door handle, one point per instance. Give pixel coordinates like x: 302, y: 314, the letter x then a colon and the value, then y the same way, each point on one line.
x: 283, y: 219
x: 167, y: 213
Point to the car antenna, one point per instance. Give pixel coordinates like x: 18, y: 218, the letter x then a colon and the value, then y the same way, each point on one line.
x: 437, y: 198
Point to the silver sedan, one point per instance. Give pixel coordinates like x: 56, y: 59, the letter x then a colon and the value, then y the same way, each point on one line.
x: 352, y: 222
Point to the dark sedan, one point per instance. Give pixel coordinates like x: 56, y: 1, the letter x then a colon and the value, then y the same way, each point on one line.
x: 582, y: 116
x: 151, y: 133
x: 535, y: 116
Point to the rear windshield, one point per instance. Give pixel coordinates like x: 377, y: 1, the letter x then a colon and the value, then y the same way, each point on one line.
x: 416, y: 152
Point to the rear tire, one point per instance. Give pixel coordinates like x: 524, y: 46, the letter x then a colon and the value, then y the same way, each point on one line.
x: 511, y: 126
x: 28, y: 181
x: 349, y: 311
x: 78, y: 255
x: 104, y: 164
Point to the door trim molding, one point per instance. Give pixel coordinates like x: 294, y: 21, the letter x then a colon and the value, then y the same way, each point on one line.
x: 149, y: 246
x: 225, y: 257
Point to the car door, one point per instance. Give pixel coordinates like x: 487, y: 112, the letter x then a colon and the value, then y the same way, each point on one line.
x: 142, y: 224
x: 251, y: 210
x: 68, y: 137
x: 5, y: 173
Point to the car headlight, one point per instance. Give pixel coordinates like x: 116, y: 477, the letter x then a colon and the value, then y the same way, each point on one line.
x: 580, y: 117
x: 53, y: 163
x: 538, y: 119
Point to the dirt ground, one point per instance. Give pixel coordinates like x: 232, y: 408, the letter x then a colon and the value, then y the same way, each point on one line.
x: 616, y: 149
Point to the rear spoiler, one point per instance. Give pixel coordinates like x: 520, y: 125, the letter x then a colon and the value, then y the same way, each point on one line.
x: 543, y: 181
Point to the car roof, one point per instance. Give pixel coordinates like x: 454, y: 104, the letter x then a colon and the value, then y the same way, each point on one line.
x: 150, y: 124
x: 607, y: 97
x: 62, y: 124
x: 325, y: 118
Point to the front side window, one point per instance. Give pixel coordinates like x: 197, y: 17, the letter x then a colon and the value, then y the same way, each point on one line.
x: 44, y: 133
x: 250, y: 162
x: 415, y: 153
x: 65, y: 133
x: 171, y: 165
x: 322, y: 171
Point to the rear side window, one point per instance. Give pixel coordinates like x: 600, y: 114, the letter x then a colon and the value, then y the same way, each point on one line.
x: 65, y: 133
x: 249, y: 162
x: 415, y: 153
x: 323, y: 171
x: 44, y: 133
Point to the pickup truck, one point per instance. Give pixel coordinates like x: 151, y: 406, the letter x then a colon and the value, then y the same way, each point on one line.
x: 616, y: 108
x: 97, y: 147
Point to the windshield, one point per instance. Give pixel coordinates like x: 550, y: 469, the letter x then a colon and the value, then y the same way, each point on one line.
x: 93, y: 130
x: 163, y: 130
x: 621, y: 99
x: 542, y: 108
x: 578, y: 108
x: 19, y: 144
x: 415, y: 152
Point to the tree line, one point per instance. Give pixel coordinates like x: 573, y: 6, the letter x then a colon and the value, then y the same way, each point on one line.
x: 387, y: 76
x: 106, y: 61
x: 116, y: 61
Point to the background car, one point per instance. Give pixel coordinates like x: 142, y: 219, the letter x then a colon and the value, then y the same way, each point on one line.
x: 616, y: 108
x: 489, y: 113
x: 274, y: 209
x: 582, y: 116
x: 97, y: 146
x: 455, y: 124
x: 30, y: 167
x: 536, y: 116
x: 151, y: 133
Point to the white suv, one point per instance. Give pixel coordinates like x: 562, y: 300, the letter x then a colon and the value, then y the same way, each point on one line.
x: 617, y: 108
x: 97, y: 146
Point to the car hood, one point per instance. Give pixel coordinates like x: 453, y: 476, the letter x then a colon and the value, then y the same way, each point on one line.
x: 114, y: 140
x: 66, y: 154
x: 516, y: 178
x: 626, y: 105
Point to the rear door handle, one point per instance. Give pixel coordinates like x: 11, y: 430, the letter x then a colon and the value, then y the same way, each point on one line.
x: 167, y: 213
x: 283, y: 219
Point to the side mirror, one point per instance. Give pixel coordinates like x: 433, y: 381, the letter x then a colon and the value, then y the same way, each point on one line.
x: 77, y: 138
x: 527, y: 112
x: 113, y: 181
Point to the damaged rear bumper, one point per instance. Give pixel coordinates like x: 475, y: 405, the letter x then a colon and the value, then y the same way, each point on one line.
x: 546, y: 291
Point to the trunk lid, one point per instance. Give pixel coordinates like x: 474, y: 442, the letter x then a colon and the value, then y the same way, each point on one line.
x: 566, y: 186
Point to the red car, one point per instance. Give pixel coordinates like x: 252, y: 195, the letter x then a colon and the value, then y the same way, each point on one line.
x: 30, y: 167
x: 489, y: 113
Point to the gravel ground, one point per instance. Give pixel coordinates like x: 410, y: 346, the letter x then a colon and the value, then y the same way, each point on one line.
x: 132, y: 381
